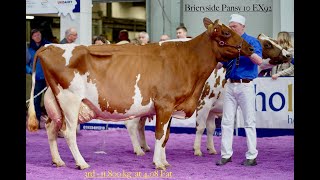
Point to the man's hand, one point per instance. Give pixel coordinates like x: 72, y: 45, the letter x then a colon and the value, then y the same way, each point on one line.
x: 275, y: 76
x: 219, y: 65
x: 255, y: 58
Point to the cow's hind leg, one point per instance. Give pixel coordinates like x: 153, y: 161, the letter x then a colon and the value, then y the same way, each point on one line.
x: 132, y: 126
x: 70, y: 105
x: 211, y: 127
x: 200, y: 126
x: 71, y: 138
x: 52, y: 138
x: 141, y: 130
x: 53, y: 124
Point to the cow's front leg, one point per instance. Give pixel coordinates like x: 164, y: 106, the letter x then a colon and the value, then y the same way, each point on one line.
x: 211, y: 127
x: 132, y: 126
x: 141, y: 130
x: 162, y: 124
x: 163, y: 152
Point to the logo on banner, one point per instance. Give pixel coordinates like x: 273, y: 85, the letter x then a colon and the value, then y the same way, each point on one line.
x: 274, y: 103
x: 277, y: 100
x: 64, y: 7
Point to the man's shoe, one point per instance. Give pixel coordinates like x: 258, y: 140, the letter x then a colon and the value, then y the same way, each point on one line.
x: 249, y: 162
x: 223, y: 161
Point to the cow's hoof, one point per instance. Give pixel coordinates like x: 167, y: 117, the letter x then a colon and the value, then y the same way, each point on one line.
x: 139, y: 152
x: 197, y: 152
x: 82, y: 166
x: 212, y: 151
x: 58, y: 163
x: 146, y: 148
x: 160, y: 167
x: 166, y: 164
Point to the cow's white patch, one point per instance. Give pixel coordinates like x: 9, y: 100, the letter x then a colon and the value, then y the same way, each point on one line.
x: 175, y: 40
x: 285, y: 52
x: 179, y: 114
x: 159, y: 151
x: 136, y: 107
x: 70, y: 104
x: 84, y: 89
x: 68, y: 50
x: 211, y: 81
x: 81, y: 88
x: 264, y: 37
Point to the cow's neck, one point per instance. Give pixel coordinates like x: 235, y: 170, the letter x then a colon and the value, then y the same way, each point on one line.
x: 203, y: 49
x: 203, y: 62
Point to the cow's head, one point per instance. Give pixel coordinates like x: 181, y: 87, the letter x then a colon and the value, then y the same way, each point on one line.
x: 229, y: 44
x: 273, y: 51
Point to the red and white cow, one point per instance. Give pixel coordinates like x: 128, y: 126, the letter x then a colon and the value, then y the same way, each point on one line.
x: 121, y: 82
x: 210, y: 102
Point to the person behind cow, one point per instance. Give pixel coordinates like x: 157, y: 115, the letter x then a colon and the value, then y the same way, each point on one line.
x: 28, y: 56
x: 123, y: 37
x: 70, y: 36
x: 99, y: 40
x: 240, y: 92
x: 284, y: 69
x: 181, y: 32
x: 164, y: 37
x: 35, y: 43
x: 143, y: 38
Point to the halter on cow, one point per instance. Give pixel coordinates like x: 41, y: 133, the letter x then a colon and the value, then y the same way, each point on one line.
x: 120, y: 82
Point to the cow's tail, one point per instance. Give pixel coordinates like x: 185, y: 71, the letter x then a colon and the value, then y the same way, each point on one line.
x: 33, y: 123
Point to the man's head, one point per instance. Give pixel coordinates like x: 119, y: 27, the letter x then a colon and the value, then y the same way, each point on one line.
x: 123, y: 35
x: 71, y: 35
x: 36, y: 35
x: 143, y: 38
x: 181, y: 32
x: 237, y: 23
x: 164, y: 37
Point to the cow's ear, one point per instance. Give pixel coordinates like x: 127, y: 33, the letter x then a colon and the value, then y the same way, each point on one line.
x: 213, y: 29
x: 207, y: 22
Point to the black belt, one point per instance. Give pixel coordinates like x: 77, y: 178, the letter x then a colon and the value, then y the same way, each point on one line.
x: 240, y: 80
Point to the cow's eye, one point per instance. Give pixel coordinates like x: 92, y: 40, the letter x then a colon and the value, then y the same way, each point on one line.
x: 267, y: 45
x: 226, y: 33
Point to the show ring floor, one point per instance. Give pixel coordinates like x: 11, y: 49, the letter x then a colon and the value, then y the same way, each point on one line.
x: 109, y: 154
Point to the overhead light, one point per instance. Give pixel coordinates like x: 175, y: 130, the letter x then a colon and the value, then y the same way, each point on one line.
x: 29, y: 17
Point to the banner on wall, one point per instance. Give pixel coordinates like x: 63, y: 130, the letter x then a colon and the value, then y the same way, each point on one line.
x: 274, y: 103
x: 274, y: 107
x: 64, y: 7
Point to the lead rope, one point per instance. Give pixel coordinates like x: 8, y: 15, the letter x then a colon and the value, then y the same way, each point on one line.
x: 38, y: 94
x: 238, y: 59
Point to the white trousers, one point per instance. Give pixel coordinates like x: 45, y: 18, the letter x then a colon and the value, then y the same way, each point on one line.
x: 239, y: 94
